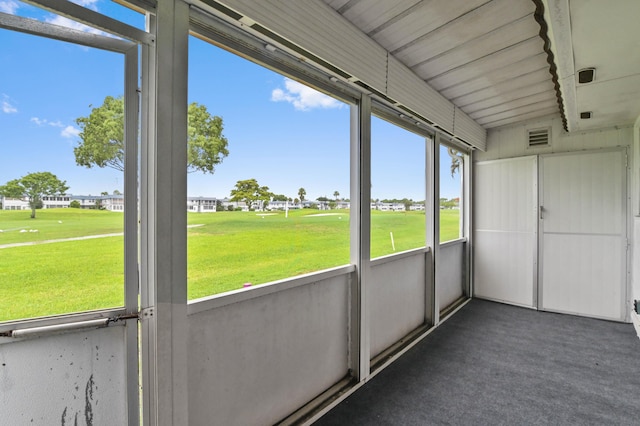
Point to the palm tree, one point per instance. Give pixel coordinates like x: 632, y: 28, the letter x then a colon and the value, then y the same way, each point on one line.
x: 336, y: 194
x: 302, y: 193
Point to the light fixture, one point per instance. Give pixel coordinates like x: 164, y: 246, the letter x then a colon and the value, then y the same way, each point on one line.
x: 586, y: 75
x: 585, y: 115
x: 334, y: 79
x: 270, y: 47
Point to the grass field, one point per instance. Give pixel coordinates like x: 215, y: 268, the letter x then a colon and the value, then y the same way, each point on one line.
x: 225, y: 250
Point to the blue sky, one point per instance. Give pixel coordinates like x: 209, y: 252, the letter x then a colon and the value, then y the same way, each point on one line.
x: 280, y: 132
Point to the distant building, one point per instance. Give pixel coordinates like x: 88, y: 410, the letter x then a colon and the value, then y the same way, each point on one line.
x: 14, y: 204
x: 114, y: 203
x: 201, y: 204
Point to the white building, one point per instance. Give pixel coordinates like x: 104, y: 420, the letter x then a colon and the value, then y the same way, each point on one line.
x: 201, y: 204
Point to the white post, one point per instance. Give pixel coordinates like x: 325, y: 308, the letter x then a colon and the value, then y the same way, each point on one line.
x: 164, y: 218
x: 360, y: 360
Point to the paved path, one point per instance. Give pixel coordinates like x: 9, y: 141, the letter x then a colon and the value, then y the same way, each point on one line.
x: 61, y: 240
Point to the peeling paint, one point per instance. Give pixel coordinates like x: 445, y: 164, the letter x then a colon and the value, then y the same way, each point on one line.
x: 64, y: 417
x: 88, y: 401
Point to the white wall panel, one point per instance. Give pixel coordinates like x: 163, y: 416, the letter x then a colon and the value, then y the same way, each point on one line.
x: 511, y: 141
x: 450, y: 273
x: 505, y: 239
x: 75, y: 378
x: 256, y: 361
x: 397, y: 299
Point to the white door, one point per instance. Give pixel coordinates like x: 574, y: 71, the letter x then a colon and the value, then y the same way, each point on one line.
x: 505, y: 230
x: 582, y: 229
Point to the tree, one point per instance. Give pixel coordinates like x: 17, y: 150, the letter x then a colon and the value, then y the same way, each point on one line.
x: 75, y: 204
x: 280, y: 197
x: 33, y: 187
x: 301, y: 194
x: 102, y: 137
x: 250, y: 191
x: 116, y: 192
x: 336, y: 194
x: 456, y: 160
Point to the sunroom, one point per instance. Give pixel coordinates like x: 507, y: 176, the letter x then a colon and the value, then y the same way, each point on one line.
x: 500, y: 138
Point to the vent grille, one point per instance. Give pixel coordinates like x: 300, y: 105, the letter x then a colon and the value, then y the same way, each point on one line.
x: 538, y: 137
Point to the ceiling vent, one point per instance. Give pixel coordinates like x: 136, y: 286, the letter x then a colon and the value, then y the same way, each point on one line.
x: 538, y: 137
x: 586, y: 75
x: 585, y: 115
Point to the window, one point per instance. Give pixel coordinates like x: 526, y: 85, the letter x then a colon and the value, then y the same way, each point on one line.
x: 279, y: 199
x: 451, y: 201
x: 47, y: 268
x: 397, y: 189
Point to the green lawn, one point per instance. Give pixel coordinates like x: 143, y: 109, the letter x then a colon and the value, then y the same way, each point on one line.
x: 225, y: 250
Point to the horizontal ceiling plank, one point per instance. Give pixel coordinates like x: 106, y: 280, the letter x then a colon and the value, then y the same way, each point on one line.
x: 463, y: 29
x: 551, y: 111
x: 337, y: 4
x: 371, y: 14
x: 496, y: 76
x: 426, y: 17
x: 501, y: 38
x: 515, y: 112
x: 549, y: 95
x: 492, y: 64
x: 527, y: 85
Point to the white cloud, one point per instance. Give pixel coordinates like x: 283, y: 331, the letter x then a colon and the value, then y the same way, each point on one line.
x: 43, y: 121
x: 303, y: 98
x: 9, y: 7
x: 68, y: 23
x: 90, y: 4
x: 69, y: 132
x: 7, y: 107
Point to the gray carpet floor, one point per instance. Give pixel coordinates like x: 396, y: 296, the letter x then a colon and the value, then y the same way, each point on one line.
x: 494, y: 364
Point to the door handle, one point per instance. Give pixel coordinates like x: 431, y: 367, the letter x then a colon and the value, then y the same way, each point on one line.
x: 541, y: 213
